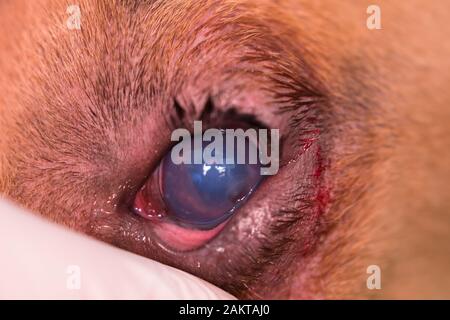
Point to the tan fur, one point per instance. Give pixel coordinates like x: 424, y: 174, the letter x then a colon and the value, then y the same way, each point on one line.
x: 388, y: 103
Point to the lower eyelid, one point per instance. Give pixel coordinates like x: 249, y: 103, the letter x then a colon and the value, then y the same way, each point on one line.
x: 182, y: 239
x: 171, y: 236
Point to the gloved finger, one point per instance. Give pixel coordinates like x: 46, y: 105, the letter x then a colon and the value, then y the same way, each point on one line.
x: 42, y: 260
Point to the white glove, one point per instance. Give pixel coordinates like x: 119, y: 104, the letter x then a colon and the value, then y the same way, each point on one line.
x: 42, y: 260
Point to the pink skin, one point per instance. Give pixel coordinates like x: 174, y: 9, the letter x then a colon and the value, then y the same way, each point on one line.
x: 179, y: 238
x: 183, y: 239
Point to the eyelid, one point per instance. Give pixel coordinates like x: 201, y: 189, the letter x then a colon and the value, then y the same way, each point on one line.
x: 183, y: 239
x: 171, y: 235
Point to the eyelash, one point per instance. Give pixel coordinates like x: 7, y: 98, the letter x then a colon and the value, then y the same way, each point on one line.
x: 211, y: 116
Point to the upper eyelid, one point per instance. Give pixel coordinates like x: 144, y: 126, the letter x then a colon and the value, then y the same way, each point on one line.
x: 212, y: 116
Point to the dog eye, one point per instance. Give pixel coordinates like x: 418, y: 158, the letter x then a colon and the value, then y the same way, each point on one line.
x: 196, y: 198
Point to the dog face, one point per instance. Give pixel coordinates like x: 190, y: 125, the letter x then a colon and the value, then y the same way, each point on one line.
x: 86, y: 115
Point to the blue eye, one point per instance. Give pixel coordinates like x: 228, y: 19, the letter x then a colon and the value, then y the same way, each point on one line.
x: 204, y: 195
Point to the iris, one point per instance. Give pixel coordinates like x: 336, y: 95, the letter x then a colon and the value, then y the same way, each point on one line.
x: 204, y: 195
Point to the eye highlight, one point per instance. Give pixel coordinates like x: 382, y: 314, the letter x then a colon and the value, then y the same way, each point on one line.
x: 191, y: 202
x: 204, y: 195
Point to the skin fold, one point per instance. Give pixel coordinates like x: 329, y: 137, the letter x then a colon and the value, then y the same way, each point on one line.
x: 382, y: 96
